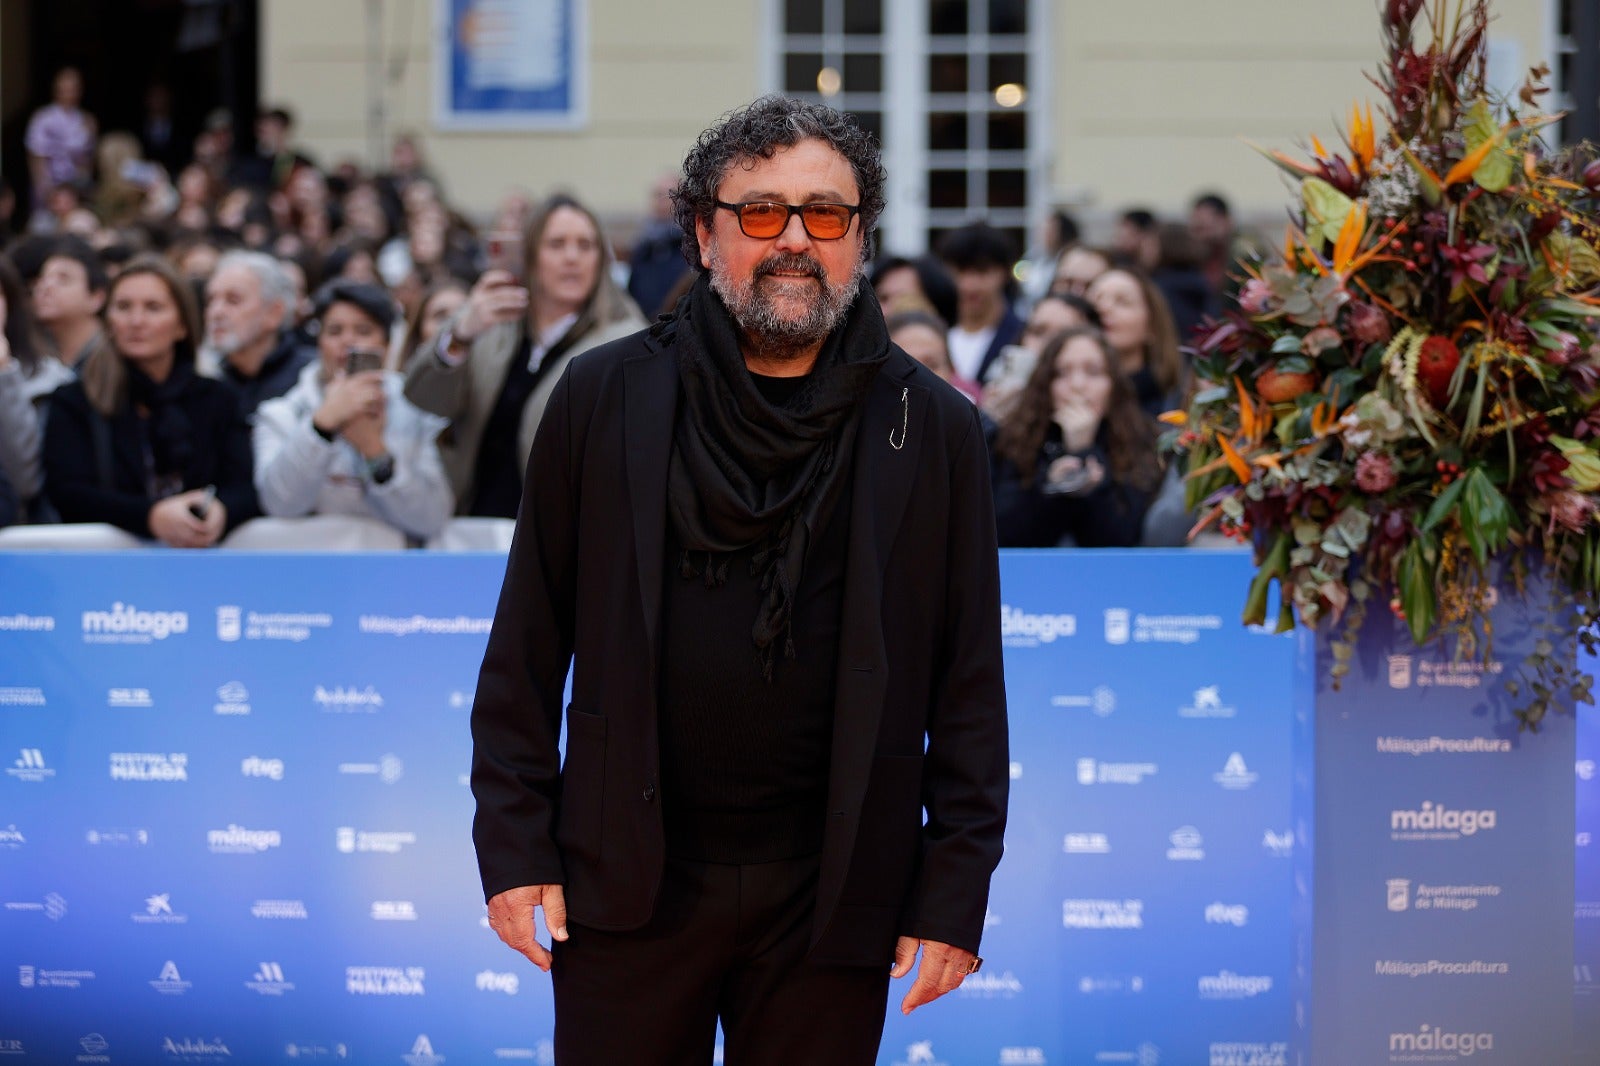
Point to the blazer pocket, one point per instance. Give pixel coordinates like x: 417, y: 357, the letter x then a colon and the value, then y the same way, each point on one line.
x: 890, y: 831
x: 583, y: 785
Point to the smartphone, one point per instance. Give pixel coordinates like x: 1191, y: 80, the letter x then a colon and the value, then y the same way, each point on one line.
x: 202, y: 507
x: 505, y: 252
x: 140, y: 172
x: 357, y: 360
x: 1012, y: 367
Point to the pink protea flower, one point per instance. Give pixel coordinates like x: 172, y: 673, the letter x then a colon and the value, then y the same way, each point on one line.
x: 1368, y: 325
x: 1569, y: 509
x: 1375, y: 472
x: 1253, y: 296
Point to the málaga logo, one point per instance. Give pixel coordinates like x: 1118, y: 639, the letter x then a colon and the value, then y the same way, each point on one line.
x: 1430, y: 1038
x: 126, y: 624
x: 1436, y: 822
x: 1019, y: 629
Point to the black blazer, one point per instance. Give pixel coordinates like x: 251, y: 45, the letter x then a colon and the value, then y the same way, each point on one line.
x: 920, y: 720
x: 221, y: 457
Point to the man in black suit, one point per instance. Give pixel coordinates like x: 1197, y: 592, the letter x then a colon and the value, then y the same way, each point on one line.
x: 762, y: 539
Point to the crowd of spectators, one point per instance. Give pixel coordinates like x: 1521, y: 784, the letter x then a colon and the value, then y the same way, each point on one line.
x: 194, y: 340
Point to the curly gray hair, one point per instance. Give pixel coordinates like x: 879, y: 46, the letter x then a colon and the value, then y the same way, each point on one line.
x: 757, y: 131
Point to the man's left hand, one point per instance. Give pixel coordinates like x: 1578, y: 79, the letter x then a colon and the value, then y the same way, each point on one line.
x: 943, y: 969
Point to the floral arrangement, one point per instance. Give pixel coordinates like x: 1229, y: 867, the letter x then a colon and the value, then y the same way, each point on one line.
x: 1406, y: 397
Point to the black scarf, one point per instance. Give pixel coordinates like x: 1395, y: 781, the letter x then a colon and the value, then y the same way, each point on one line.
x: 170, y: 433
x: 746, y: 474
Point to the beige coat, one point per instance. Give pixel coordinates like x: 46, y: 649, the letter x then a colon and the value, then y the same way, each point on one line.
x: 466, y: 394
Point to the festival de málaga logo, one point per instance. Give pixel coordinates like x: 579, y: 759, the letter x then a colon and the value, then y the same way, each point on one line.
x: 126, y: 624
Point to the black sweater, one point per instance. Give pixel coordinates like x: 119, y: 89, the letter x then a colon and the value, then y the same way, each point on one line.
x: 220, y: 456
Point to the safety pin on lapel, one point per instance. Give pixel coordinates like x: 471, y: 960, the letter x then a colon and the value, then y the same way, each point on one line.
x: 905, y: 420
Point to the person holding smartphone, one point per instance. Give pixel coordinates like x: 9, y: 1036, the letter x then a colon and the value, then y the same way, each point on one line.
x: 345, y: 440
x: 1075, y: 461
x: 140, y: 439
x: 495, y: 364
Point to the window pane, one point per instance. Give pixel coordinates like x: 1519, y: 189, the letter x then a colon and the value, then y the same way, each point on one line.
x: 947, y: 74
x: 1008, y: 69
x: 1008, y: 188
x: 947, y: 188
x: 802, y: 16
x: 863, y: 16
x: 947, y: 131
x: 1008, y: 131
x: 800, y: 72
x: 871, y: 121
x: 863, y: 73
x: 1008, y: 16
x: 947, y: 18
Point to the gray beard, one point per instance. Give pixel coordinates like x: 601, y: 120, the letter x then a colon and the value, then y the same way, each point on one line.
x: 764, y: 327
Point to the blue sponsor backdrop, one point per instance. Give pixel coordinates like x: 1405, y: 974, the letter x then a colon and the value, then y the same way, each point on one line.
x: 234, y: 819
x: 1586, y: 943
x: 1443, y: 857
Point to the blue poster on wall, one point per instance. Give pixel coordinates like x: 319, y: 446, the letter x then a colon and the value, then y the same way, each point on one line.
x: 510, y: 64
x: 1586, y: 912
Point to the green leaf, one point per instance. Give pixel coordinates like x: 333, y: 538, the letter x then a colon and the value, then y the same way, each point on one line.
x: 1212, y: 395
x: 1414, y: 575
x: 1497, y: 168
x: 1585, y: 260
x: 1485, y: 515
x: 1285, y: 344
x: 1441, y: 505
x: 1273, y: 567
x: 1469, y: 428
x: 1326, y: 208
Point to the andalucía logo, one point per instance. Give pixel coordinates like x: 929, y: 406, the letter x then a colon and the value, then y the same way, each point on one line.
x: 422, y: 1053
x: 126, y: 624
x: 170, y: 982
x: 348, y: 700
x: 1432, y: 1044
x: 1235, y: 775
x: 196, y: 1049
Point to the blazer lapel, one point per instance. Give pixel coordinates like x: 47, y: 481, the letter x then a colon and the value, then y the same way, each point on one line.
x: 649, y: 404
x: 887, y: 448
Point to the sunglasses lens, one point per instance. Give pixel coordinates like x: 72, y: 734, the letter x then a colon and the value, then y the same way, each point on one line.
x: 763, y: 220
x: 826, y: 221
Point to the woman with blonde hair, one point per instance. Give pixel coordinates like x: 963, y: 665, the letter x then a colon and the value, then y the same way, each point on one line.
x: 493, y: 367
x: 141, y: 440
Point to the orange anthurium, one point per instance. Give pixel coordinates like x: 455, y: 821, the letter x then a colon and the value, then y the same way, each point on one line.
x: 1268, y: 461
x: 1317, y: 149
x: 1174, y: 418
x: 1236, y: 463
x: 1470, y: 162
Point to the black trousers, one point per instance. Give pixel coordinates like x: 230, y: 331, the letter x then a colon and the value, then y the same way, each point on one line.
x: 725, y: 943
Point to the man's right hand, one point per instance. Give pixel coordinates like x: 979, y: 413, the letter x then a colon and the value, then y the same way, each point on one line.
x: 511, y: 917
x: 496, y: 298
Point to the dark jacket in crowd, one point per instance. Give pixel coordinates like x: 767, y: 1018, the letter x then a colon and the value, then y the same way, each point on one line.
x: 1008, y: 332
x: 218, y: 454
x: 1190, y: 296
x: 1110, y: 515
x: 9, y: 507
x: 656, y: 266
x: 278, y: 375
